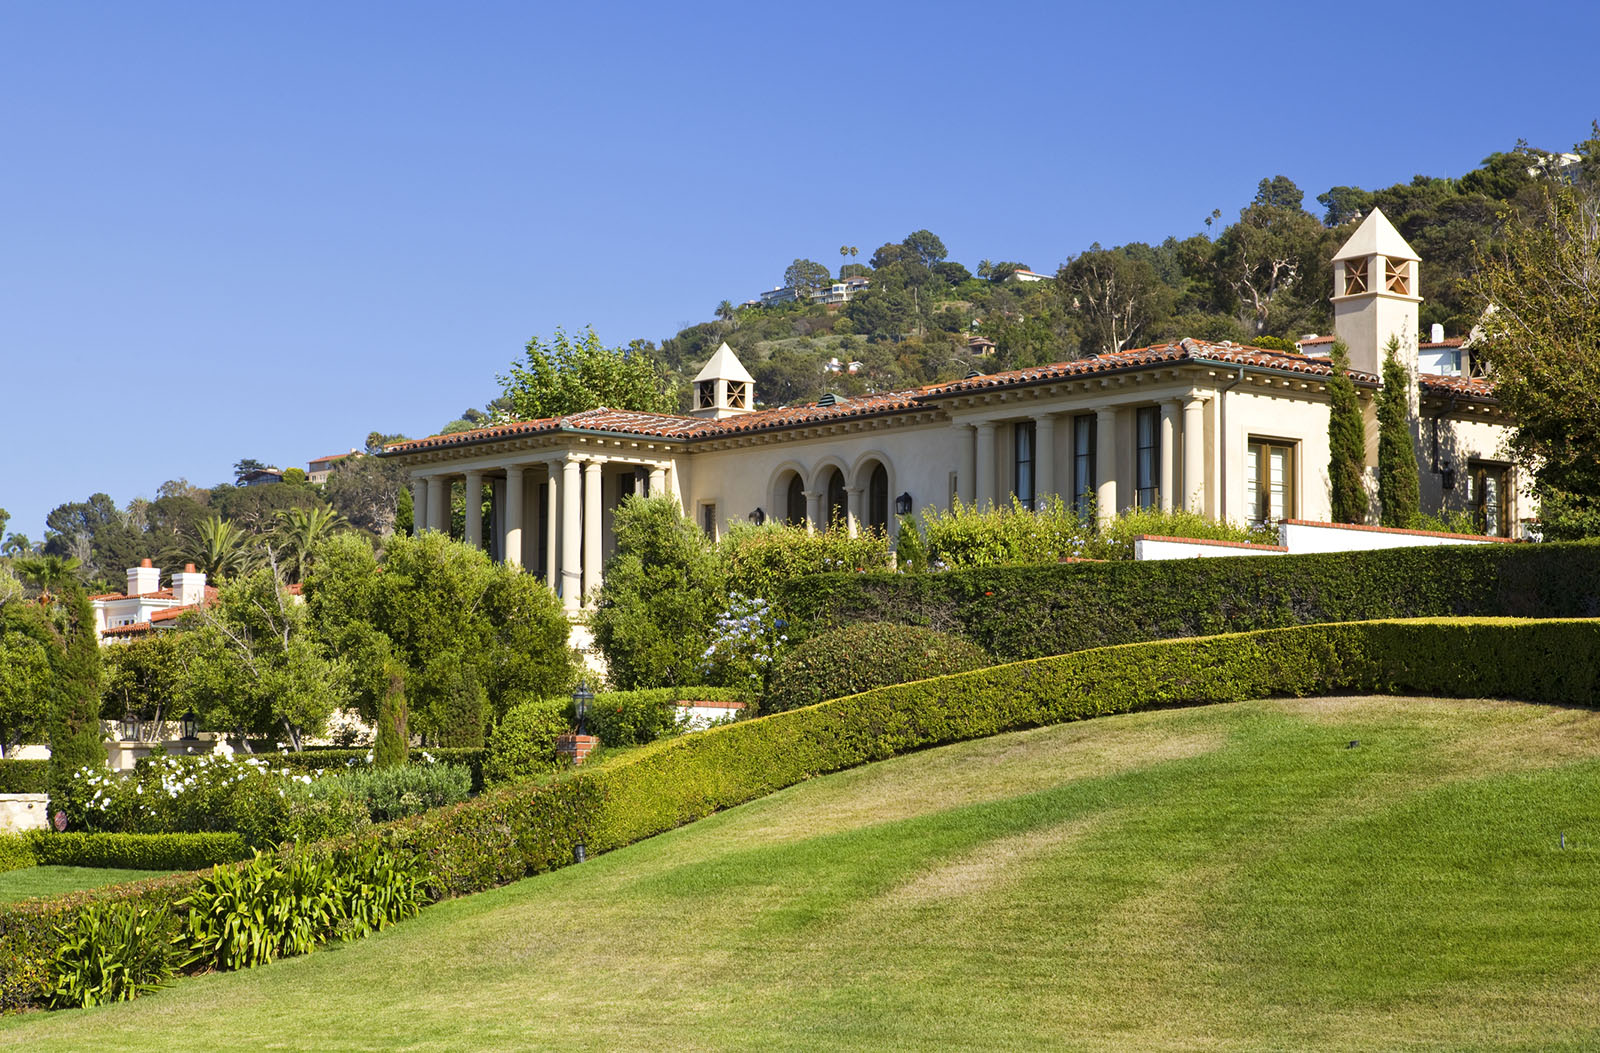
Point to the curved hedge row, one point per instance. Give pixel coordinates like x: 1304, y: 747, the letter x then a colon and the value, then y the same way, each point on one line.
x: 1019, y: 612
x: 525, y: 829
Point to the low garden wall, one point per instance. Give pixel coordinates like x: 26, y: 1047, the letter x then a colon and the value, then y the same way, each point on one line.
x: 525, y: 829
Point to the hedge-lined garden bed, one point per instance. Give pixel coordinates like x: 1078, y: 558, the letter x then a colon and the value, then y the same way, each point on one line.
x: 519, y: 830
x: 1019, y: 612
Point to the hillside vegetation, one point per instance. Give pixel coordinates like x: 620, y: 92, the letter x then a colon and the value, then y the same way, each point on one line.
x: 1233, y: 877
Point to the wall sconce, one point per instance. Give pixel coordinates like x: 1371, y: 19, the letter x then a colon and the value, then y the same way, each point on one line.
x: 902, y: 505
x: 758, y: 517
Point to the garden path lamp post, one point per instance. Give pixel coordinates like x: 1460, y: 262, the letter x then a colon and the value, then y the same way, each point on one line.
x: 580, y: 702
x: 129, y: 726
x: 191, y: 726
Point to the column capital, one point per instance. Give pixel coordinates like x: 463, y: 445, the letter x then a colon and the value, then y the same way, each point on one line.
x: 985, y: 425
x: 854, y: 490
x: 1105, y: 413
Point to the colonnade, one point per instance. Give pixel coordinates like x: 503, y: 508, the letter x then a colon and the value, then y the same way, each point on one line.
x: 574, y: 505
x: 1180, y: 479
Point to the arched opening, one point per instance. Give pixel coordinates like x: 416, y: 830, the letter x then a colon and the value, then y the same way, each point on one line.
x: 794, y: 506
x: 878, y: 499
x: 838, y: 506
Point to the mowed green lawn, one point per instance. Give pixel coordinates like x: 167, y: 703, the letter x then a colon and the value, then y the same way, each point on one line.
x: 1232, y: 877
x: 50, y: 881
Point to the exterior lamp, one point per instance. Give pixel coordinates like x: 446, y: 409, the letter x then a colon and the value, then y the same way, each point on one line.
x: 902, y: 505
x: 580, y: 701
x: 191, y: 726
x: 758, y: 517
x: 129, y: 726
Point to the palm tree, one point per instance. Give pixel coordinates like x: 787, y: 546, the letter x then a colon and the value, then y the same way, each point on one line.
x: 217, y: 547
x: 725, y: 310
x: 301, y: 532
x: 49, y: 572
x: 846, y: 252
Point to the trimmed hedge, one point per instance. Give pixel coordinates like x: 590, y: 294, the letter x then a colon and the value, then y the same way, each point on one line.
x: 519, y: 830
x: 1020, y: 612
x: 16, y: 852
x: 315, y: 759
x: 137, y: 851
x: 633, y: 718
x: 24, y: 776
x: 856, y: 658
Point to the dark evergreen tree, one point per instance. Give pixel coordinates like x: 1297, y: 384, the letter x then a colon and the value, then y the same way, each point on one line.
x: 76, y: 739
x: 1347, y: 442
x: 394, y: 738
x: 1399, y: 488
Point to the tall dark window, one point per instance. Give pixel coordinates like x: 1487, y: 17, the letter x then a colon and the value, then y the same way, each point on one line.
x: 1489, y: 498
x: 1023, y: 438
x: 627, y: 486
x: 708, y: 520
x: 878, y: 500
x: 795, y: 502
x: 838, y: 504
x: 1083, y: 458
x: 1268, y: 481
x: 1149, y: 481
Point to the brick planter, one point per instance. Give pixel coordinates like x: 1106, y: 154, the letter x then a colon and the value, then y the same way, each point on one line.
x: 576, y: 746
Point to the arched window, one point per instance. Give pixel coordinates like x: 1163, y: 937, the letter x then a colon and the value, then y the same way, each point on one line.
x: 878, y: 499
x: 837, y: 505
x: 795, y: 501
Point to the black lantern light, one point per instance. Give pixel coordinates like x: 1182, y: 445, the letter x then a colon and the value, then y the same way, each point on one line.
x: 758, y: 517
x: 580, y: 701
x: 191, y: 726
x: 902, y: 505
x: 129, y: 726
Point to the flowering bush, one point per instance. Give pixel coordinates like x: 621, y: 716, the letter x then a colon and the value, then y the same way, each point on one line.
x: 744, y: 641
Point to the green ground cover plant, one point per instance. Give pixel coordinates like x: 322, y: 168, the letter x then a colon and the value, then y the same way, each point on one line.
x: 1225, y: 877
x: 1016, y: 612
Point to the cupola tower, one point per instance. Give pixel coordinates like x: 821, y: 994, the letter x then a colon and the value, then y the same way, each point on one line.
x: 1376, y: 294
x: 723, y: 388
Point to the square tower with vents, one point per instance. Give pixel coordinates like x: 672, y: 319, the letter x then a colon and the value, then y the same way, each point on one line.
x: 1376, y: 294
x: 723, y: 387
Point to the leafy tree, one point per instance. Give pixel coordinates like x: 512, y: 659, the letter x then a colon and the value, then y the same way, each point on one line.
x: 52, y: 574
x: 1119, y: 295
x: 97, y: 534
x: 27, y: 682
x: 950, y: 272
x: 145, y: 676
x: 925, y: 247
x: 16, y: 545
x: 1399, y: 486
x: 661, y: 593
x: 75, y: 732
x: 368, y: 492
x: 1342, y: 204
x: 725, y: 311
x: 244, y: 467
x: 806, y: 276
x: 1269, y: 254
x: 394, y: 734
x: 258, y: 668
x: 569, y: 375
x: 1541, y: 343
x: 1347, y: 442
x: 999, y: 272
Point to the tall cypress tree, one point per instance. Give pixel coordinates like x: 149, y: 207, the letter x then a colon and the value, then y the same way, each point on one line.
x: 76, y: 738
x: 1399, y: 487
x: 1347, y: 442
x: 394, y: 738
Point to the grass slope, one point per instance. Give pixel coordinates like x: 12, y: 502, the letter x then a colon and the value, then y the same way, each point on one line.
x: 1232, y: 877
x: 51, y: 881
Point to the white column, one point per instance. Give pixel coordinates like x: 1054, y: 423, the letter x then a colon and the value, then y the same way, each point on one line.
x: 1105, y: 463
x: 813, y: 511
x: 497, y: 518
x: 1194, y: 449
x: 985, y: 467
x: 511, y: 522
x: 419, y: 504
x: 967, y: 467
x: 592, y: 527
x: 439, y: 503
x: 1044, y: 459
x: 571, y: 534
x: 658, y: 482
x: 552, y: 527
x: 852, y: 510
x: 1169, y: 453
x: 472, y: 499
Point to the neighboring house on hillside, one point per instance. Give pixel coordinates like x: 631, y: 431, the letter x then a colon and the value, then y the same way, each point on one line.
x: 1027, y: 276
x: 1232, y: 432
x: 981, y: 345
x: 146, y: 605
x: 785, y: 294
x: 1436, y: 355
x: 842, y: 291
x: 317, y: 470
x: 261, y: 476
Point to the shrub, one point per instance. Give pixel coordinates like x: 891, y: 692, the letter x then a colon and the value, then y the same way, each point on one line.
x: 744, y: 640
x: 24, y: 776
x: 633, y: 718
x: 136, y: 851
x: 170, y: 794
x: 759, y: 559
x: 857, y: 658
x: 394, y: 738
x: 112, y: 953
x: 524, y: 742
x: 318, y: 808
x: 1029, y: 612
x: 319, y: 759
x: 391, y: 793
x: 512, y: 832
x: 16, y: 852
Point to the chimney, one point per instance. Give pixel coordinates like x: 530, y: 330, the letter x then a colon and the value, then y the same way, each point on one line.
x: 189, y: 587
x: 1437, y: 333
x: 145, y: 578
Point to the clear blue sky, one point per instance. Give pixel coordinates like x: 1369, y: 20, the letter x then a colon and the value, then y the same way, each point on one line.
x: 263, y: 231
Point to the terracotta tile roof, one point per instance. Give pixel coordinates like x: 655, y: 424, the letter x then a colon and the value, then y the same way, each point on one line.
x: 159, y: 594
x: 1454, y: 341
x: 127, y: 630
x: 173, y: 612
x: 1478, y: 389
x: 680, y: 427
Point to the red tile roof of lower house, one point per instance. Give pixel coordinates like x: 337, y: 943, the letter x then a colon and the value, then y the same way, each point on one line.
x: 127, y: 630
x: 660, y: 425
x: 159, y: 594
